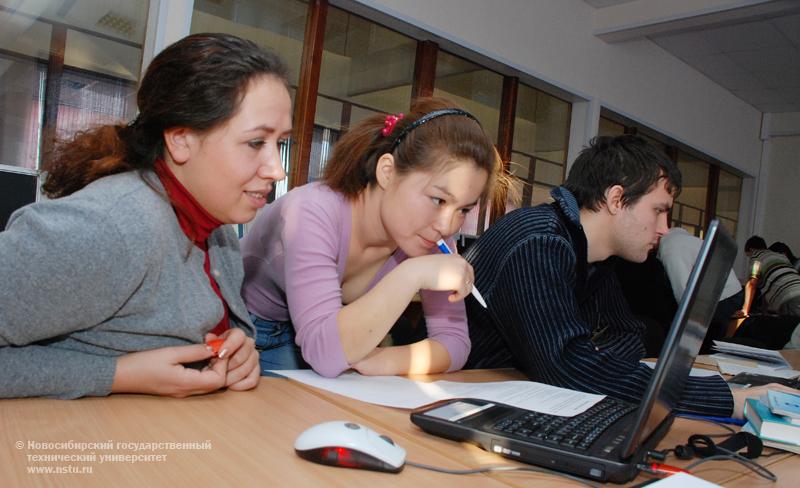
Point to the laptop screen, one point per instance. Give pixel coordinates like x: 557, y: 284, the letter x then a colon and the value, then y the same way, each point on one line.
x: 696, y: 308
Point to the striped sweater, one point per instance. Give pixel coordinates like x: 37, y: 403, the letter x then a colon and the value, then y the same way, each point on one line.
x: 557, y: 318
x: 778, y: 281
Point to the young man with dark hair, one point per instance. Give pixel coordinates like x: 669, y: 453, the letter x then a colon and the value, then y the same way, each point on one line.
x: 556, y: 311
x: 754, y: 243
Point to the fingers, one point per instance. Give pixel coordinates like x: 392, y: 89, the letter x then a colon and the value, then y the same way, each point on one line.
x: 189, y: 354
x: 467, y: 282
x: 207, y: 380
x: 234, y: 339
x: 246, y: 376
x: 238, y: 353
x: 239, y: 356
x: 461, y: 293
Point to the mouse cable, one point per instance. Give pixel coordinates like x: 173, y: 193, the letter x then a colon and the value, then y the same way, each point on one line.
x: 487, y: 469
x: 734, y: 456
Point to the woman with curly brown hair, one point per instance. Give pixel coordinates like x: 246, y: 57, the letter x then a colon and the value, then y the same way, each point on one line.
x: 117, y: 283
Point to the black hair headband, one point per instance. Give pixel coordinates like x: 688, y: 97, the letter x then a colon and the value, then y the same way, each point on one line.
x: 427, y: 118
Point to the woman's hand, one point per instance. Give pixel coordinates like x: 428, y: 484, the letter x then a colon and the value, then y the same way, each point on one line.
x: 162, y: 372
x: 443, y: 272
x: 243, y: 370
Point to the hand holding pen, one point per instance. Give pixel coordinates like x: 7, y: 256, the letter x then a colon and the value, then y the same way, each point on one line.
x: 475, y: 293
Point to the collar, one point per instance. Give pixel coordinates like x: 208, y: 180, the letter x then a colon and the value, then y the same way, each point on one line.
x: 195, y: 221
x: 567, y: 203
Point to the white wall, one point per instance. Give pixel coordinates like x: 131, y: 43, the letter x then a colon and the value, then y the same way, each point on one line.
x: 778, y: 221
x: 554, y: 41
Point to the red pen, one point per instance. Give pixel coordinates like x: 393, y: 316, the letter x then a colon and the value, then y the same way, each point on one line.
x: 660, y: 469
x: 216, y: 344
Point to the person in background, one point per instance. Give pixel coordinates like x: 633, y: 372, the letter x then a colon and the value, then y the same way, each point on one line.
x: 775, y: 279
x: 784, y: 249
x: 555, y: 310
x: 678, y: 250
x: 115, y: 284
x: 330, y: 267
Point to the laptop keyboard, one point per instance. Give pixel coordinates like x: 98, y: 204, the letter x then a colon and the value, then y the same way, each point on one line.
x: 578, y: 432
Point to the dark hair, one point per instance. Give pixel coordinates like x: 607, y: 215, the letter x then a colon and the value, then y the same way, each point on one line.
x: 784, y: 249
x: 197, y: 82
x: 628, y: 161
x: 755, y: 243
x: 351, y: 168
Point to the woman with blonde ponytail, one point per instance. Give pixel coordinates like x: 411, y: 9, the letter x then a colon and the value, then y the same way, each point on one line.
x: 330, y: 267
x: 117, y: 283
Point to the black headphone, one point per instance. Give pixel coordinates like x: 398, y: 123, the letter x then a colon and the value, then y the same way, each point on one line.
x: 702, y: 446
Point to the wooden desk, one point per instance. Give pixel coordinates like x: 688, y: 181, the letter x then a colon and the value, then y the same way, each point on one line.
x: 396, y: 421
x: 242, y: 439
x: 246, y: 439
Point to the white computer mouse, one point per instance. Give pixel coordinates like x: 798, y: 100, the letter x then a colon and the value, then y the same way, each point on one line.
x: 350, y: 445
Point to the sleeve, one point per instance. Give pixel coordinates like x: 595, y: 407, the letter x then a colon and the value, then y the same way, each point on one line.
x: 35, y: 370
x: 62, y: 270
x: 311, y: 241
x: 550, y: 342
x: 446, y: 322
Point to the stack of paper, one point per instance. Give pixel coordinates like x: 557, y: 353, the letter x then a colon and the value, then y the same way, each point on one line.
x: 737, y: 358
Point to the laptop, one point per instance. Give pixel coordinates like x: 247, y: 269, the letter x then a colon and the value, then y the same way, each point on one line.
x: 606, y: 442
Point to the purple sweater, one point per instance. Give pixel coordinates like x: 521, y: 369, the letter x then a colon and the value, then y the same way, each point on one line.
x: 294, y: 261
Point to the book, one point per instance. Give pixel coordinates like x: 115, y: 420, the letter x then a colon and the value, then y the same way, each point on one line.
x: 785, y: 404
x: 748, y: 427
x: 770, y: 426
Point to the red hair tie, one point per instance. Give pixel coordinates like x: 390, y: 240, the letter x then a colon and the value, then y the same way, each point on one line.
x: 389, y: 123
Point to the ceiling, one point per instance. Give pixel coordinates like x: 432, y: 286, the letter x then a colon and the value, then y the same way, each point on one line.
x: 753, y: 50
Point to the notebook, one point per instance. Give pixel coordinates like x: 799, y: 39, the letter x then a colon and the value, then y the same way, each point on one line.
x: 607, y: 441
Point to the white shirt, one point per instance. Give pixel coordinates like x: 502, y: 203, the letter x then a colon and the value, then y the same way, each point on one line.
x: 678, y: 251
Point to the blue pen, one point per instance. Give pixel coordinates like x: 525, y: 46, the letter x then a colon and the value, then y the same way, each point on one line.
x: 446, y: 250
x: 722, y: 420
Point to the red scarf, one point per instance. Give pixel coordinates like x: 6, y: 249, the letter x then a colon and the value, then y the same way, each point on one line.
x: 196, y: 223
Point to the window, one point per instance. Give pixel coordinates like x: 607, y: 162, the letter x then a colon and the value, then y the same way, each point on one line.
x: 478, y: 91
x: 473, y: 87
x: 541, y: 137
x: 729, y: 196
x: 689, y: 209
x: 24, y: 69
x: 608, y: 127
x: 64, y: 67
x: 366, y: 69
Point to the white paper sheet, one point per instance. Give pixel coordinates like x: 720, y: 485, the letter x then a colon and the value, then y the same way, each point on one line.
x: 683, y: 480
x: 394, y: 391
x: 698, y: 372
x: 764, y: 357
